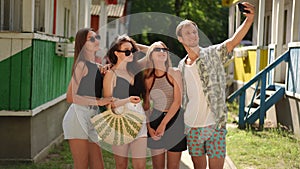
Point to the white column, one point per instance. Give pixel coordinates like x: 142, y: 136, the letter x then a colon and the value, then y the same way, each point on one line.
x: 74, y: 17
x: 295, y: 26
x: 280, y: 70
x: 28, y: 15
x: 279, y: 26
x: 237, y: 18
x: 231, y: 21
x: 84, y: 13
x: 260, y: 32
x: 261, y: 16
x: 274, y: 21
x: 103, y: 26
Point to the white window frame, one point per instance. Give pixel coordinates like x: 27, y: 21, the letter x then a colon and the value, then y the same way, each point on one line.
x: 13, y: 14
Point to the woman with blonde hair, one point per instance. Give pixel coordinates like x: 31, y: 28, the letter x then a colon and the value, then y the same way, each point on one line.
x: 165, y: 120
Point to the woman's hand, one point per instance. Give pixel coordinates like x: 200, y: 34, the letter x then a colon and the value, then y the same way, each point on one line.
x: 105, y: 101
x: 160, y: 131
x: 104, y: 68
x: 134, y: 99
x: 152, y: 134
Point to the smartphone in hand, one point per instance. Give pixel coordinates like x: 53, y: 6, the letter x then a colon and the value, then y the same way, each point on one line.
x: 242, y: 8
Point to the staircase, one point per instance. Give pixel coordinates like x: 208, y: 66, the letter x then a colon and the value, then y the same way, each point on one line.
x: 264, y: 97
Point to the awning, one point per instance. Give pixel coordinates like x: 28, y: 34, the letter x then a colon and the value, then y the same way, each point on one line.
x: 112, y: 10
x: 229, y: 2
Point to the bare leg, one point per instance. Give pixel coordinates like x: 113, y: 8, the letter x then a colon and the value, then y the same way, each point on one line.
x: 79, y: 150
x: 158, y: 158
x: 121, y: 156
x: 199, y: 162
x: 95, y: 156
x: 216, y: 163
x: 173, y: 160
x: 138, y: 150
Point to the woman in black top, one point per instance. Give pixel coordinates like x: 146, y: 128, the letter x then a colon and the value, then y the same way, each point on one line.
x: 84, y: 92
x: 125, y: 84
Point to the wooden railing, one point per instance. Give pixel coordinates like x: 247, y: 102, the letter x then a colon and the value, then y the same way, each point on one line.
x: 261, y: 80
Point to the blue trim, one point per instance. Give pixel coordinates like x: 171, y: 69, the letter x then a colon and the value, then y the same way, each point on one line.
x: 265, y: 102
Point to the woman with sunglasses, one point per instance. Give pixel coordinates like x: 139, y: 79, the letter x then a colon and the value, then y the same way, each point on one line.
x: 84, y: 92
x: 164, y: 119
x: 124, y: 82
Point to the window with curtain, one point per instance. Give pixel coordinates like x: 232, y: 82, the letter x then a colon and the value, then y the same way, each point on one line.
x: 11, y: 15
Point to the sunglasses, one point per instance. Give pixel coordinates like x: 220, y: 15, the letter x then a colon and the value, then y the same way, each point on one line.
x: 127, y: 52
x: 93, y: 38
x: 160, y: 50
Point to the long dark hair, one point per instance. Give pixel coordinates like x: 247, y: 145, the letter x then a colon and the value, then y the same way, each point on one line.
x: 132, y: 67
x: 80, y: 40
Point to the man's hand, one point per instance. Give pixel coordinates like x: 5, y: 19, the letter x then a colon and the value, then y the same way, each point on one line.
x: 249, y: 7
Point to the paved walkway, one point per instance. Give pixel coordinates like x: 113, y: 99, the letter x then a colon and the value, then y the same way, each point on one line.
x: 186, y: 162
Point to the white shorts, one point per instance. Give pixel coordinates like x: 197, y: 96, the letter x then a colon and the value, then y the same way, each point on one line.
x: 137, y: 108
x: 77, y: 125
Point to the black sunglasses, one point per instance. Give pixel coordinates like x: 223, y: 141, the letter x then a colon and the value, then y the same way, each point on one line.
x: 127, y: 52
x: 93, y: 38
x: 160, y: 50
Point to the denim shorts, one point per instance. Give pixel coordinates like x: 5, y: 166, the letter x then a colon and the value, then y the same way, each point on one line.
x: 206, y: 140
x: 77, y: 124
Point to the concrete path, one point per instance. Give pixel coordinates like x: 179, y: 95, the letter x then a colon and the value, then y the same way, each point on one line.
x: 186, y: 162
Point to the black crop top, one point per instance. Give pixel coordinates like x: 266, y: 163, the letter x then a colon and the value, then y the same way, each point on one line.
x: 92, y: 83
x: 124, y: 89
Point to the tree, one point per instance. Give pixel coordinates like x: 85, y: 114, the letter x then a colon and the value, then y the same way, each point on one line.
x: 210, y: 16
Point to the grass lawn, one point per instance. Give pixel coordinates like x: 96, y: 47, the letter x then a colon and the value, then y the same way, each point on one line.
x: 248, y: 149
x: 269, y: 149
x: 60, y: 158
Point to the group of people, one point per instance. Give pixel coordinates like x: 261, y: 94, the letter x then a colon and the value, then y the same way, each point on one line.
x: 185, y: 106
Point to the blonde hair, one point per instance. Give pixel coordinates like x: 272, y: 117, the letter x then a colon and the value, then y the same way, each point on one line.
x: 150, y: 65
x: 182, y: 24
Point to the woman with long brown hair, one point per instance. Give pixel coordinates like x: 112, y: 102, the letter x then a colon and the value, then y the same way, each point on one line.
x: 84, y: 92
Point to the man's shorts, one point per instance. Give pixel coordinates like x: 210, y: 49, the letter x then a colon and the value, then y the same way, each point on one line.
x: 206, y: 140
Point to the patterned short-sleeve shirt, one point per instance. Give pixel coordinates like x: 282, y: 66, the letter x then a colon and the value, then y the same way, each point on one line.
x: 212, y: 75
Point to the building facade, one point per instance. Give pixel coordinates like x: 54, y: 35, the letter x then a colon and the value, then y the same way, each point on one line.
x: 276, y: 31
x: 36, y: 49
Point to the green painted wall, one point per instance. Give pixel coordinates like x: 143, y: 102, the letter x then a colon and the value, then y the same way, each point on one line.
x: 33, y: 77
x: 50, y: 73
x: 15, y: 86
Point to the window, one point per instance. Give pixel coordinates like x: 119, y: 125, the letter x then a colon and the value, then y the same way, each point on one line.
x: 293, y: 84
x: 11, y: 15
x: 39, y: 15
